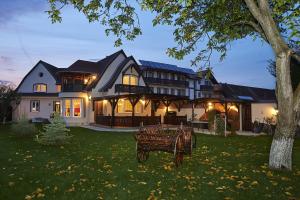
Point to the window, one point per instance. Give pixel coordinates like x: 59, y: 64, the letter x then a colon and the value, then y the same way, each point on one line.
x: 172, y: 76
x: 150, y: 74
x: 39, y: 87
x: 124, y: 106
x: 67, y: 108
x: 58, y: 88
x: 207, y: 82
x: 35, y: 106
x: 158, y: 90
x: 172, y: 91
x: 166, y: 91
x: 76, y: 107
x: 158, y: 75
x: 130, y: 80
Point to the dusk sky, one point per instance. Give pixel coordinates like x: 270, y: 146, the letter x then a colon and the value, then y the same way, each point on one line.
x: 27, y: 36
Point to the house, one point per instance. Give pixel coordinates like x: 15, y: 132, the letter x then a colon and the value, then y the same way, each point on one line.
x: 120, y: 91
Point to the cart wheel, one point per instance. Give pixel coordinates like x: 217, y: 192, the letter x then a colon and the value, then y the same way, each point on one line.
x: 142, y: 156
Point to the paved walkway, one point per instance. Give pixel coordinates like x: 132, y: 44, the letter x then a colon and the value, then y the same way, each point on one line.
x: 108, y: 129
x: 205, y: 131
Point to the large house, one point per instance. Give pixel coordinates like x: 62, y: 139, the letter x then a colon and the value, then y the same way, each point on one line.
x: 119, y: 91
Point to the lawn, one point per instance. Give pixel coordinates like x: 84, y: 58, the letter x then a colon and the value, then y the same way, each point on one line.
x: 100, y: 165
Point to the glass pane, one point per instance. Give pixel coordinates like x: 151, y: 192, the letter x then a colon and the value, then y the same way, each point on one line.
x: 128, y: 107
x: 133, y: 80
x: 68, y: 108
x: 76, y: 107
x: 43, y: 88
x: 120, y: 106
x: 126, y: 80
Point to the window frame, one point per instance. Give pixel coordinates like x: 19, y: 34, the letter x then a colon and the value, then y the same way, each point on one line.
x: 38, y: 108
x: 39, y: 84
x: 130, y: 76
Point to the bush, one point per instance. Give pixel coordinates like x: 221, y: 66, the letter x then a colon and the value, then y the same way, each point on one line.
x: 54, y: 133
x: 220, y: 125
x: 23, y: 128
x: 211, y: 119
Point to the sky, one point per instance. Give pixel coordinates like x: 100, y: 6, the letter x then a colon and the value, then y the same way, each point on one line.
x: 27, y: 36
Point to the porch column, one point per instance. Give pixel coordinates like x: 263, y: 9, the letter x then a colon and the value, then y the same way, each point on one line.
x: 133, y: 102
x: 113, y: 102
x: 241, y: 117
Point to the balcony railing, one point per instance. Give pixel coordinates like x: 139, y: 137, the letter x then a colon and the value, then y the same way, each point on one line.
x: 132, y: 89
x: 168, y: 82
x: 206, y: 87
x: 72, y: 87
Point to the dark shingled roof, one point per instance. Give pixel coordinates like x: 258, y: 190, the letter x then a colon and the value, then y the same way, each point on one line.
x: 246, y: 93
x: 114, y: 76
x: 163, y: 66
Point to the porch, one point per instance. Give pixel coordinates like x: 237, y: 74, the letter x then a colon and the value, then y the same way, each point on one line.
x: 151, y: 109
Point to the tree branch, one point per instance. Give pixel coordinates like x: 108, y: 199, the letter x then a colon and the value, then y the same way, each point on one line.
x: 255, y: 26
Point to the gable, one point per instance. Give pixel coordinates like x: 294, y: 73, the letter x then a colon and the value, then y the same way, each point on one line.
x: 38, y: 74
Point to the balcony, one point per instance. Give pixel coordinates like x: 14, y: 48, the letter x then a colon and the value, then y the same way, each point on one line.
x: 132, y: 89
x: 206, y: 87
x: 166, y: 82
x: 73, y: 87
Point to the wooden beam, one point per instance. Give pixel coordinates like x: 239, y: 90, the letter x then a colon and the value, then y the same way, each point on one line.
x: 113, y: 102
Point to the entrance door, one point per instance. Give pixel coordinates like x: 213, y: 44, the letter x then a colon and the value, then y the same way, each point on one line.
x: 246, y: 117
x: 56, y: 107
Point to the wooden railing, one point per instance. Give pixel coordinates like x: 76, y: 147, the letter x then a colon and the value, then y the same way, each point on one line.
x: 127, y: 121
x: 132, y: 89
x: 169, y: 82
x: 175, y: 120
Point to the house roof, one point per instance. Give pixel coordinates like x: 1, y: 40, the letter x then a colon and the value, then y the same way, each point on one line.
x: 50, y: 68
x: 114, y: 76
x: 163, y: 66
x: 246, y: 93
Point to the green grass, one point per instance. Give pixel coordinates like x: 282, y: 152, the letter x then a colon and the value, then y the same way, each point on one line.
x: 103, y: 165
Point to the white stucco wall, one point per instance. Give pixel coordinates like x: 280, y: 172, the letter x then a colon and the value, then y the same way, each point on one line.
x: 33, y: 77
x: 261, y: 110
x: 107, y: 75
x: 46, y: 108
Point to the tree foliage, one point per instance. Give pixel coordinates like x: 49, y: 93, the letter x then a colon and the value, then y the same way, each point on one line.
x: 8, y: 97
x: 23, y: 128
x: 54, y: 133
x: 215, y: 23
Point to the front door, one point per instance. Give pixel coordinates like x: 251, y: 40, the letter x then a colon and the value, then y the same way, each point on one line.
x: 56, y: 107
x: 246, y: 117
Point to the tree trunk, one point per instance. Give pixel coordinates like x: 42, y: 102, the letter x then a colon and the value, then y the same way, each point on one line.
x: 282, y: 145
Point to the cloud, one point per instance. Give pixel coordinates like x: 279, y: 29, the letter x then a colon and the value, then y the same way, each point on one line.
x: 9, y: 9
x: 5, y: 60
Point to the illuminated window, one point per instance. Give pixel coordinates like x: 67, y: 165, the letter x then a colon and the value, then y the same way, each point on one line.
x: 67, y: 108
x: 76, y: 107
x: 58, y: 88
x: 124, y: 106
x: 35, y: 106
x: 39, y: 87
x: 130, y: 80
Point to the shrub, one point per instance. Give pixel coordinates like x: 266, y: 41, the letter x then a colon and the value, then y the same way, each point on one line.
x: 219, y: 125
x: 54, y: 133
x: 23, y: 128
x: 211, y: 119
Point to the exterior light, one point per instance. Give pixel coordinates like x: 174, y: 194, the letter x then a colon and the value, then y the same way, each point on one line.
x: 104, y: 101
x: 90, y: 97
x: 274, y: 111
x: 94, y: 77
x: 233, y: 108
x: 143, y: 102
x: 85, y: 81
x: 209, y: 104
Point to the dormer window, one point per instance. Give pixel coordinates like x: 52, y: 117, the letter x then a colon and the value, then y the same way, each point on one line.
x: 39, y: 87
x: 130, y: 80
